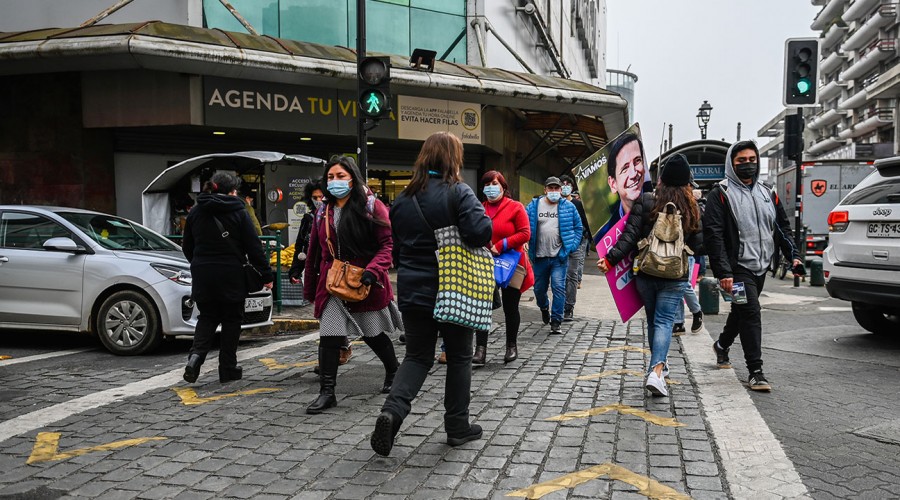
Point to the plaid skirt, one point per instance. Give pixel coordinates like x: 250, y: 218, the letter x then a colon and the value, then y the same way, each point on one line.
x: 337, y: 321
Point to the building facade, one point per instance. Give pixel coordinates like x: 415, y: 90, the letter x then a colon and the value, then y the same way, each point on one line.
x: 858, y: 93
x: 104, y: 100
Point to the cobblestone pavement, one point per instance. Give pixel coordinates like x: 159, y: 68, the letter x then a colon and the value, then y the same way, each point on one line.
x: 252, y: 438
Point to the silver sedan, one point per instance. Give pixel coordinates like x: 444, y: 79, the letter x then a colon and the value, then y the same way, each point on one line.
x: 83, y: 271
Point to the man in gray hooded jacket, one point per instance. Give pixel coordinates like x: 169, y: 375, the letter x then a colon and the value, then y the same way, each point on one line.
x: 741, y: 220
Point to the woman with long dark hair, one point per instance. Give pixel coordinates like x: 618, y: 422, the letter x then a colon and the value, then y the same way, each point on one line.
x: 661, y: 296
x: 436, y: 186
x: 359, y: 232
x: 219, y: 238
x: 511, y: 231
x: 313, y: 194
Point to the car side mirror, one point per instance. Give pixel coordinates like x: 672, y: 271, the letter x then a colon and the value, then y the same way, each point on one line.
x: 63, y: 244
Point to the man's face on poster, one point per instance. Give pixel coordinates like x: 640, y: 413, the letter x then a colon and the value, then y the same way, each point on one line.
x: 629, y: 174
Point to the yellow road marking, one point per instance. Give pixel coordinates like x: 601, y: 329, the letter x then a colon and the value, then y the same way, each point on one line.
x: 608, y: 373
x: 633, y: 373
x: 46, y: 447
x: 5, y: 357
x: 275, y: 365
x: 189, y: 396
x: 624, y: 409
x: 646, y: 486
x: 617, y: 348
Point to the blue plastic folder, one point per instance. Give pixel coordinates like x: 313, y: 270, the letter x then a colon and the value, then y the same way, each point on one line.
x: 505, y: 266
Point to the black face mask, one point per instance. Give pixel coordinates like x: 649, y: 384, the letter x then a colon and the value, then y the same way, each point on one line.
x: 746, y: 170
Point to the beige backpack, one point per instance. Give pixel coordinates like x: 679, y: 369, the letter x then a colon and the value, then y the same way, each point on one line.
x: 663, y: 253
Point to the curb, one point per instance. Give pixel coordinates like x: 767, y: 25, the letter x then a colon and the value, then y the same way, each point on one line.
x: 282, y: 325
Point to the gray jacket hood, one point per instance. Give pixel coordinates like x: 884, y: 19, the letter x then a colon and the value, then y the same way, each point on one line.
x: 754, y: 213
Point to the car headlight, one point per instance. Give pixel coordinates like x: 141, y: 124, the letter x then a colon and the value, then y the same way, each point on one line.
x: 180, y: 276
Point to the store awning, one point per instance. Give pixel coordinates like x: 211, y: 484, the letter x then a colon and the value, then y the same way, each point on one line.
x: 156, y: 206
x: 160, y: 46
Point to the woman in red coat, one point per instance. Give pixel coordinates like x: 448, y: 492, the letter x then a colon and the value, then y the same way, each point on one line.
x: 356, y: 226
x: 511, y: 232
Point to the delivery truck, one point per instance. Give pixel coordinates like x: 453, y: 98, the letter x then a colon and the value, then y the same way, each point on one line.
x: 825, y: 183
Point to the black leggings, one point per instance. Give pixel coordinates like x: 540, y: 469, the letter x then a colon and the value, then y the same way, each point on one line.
x: 510, y: 297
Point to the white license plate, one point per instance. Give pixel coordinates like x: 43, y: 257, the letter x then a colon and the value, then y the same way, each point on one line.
x: 883, y: 230
x: 253, y: 304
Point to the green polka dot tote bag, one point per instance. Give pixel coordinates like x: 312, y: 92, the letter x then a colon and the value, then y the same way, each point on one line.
x: 465, y: 278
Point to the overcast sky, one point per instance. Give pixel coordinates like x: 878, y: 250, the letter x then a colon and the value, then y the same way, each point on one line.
x: 729, y: 52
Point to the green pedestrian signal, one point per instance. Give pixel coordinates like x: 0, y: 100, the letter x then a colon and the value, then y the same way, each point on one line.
x: 374, y: 87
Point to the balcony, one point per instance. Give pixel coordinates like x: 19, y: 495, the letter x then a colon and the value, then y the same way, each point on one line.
x: 832, y: 62
x: 857, y: 9
x: 823, y: 146
x: 877, y: 52
x: 854, y: 101
x: 826, y: 118
x: 885, y: 15
x: 879, y: 118
x: 833, y: 35
x: 830, y: 90
x: 828, y: 13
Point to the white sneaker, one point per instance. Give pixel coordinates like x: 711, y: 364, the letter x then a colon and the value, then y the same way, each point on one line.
x: 656, y: 385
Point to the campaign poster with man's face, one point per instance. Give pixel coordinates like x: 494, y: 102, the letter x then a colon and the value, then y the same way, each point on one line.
x: 610, y: 181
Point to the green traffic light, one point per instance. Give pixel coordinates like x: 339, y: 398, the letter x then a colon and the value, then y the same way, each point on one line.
x: 372, y: 103
x: 803, y: 86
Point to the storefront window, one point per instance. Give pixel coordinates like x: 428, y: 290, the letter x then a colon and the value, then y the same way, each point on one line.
x: 261, y: 14
x: 319, y: 21
x: 438, y: 32
x: 394, y: 26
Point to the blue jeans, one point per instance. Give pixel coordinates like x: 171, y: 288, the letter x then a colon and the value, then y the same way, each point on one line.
x: 662, y: 299
x: 550, y: 272
x: 693, y: 304
x: 573, y: 273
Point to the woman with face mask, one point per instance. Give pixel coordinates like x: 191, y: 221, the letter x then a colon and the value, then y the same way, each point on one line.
x: 313, y: 194
x: 511, y: 231
x: 359, y: 231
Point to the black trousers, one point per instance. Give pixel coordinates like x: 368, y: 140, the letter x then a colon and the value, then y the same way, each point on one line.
x: 746, y: 320
x: 421, y: 338
x: 213, y: 314
x: 510, y: 298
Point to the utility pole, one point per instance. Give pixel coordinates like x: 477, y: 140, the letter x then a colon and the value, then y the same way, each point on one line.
x: 362, y: 148
x: 671, y: 144
x: 739, y: 131
x: 793, y: 149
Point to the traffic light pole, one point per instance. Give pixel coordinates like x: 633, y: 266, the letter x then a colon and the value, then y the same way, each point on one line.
x: 362, y: 148
x: 798, y: 203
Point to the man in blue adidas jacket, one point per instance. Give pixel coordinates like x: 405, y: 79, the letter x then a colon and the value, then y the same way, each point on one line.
x: 556, y: 231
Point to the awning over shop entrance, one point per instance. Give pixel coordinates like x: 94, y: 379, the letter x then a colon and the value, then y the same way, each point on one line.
x: 156, y: 204
x: 155, y: 45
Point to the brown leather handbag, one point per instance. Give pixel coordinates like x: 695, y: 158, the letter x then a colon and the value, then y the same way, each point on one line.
x: 343, y: 279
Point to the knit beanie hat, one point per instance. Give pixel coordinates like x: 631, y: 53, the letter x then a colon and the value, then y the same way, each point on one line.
x: 676, y: 171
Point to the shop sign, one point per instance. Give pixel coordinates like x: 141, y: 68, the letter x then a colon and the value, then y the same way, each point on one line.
x: 419, y: 117
x: 708, y: 172
x: 282, y: 107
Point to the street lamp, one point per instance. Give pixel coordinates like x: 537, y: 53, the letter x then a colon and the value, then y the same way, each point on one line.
x: 703, y: 118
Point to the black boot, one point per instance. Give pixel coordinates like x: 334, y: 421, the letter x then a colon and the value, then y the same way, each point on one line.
x: 512, y: 354
x: 227, y: 374
x: 382, y: 346
x: 480, y: 355
x: 192, y: 369
x: 328, y: 366
x: 386, y: 428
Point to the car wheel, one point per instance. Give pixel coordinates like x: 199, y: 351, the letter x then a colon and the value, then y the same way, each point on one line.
x: 874, y: 320
x: 127, y: 324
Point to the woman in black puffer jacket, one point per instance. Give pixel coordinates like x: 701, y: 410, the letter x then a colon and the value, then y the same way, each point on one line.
x: 218, y: 276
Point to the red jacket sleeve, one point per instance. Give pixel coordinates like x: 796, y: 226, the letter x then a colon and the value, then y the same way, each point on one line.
x: 383, y: 258
x: 523, y: 226
x: 313, y: 263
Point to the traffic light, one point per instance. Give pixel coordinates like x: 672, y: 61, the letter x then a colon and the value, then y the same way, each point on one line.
x: 375, y: 87
x: 801, y: 64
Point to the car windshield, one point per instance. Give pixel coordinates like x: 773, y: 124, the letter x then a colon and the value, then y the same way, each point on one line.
x: 116, y: 233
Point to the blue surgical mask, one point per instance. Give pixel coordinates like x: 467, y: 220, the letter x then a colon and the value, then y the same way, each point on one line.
x: 554, y: 196
x: 317, y: 204
x: 566, y: 190
x: 338, y: 188
x: 492, y: 191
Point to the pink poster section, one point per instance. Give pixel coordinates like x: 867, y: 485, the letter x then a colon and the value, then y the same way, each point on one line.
x: 621, y: 277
